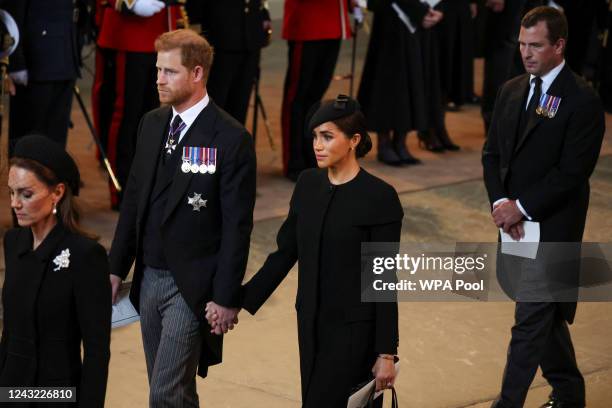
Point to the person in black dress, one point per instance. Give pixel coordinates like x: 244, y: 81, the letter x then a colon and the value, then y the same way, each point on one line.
x: 400, y: 86
x: 334, y: 209
x: 56, y: 294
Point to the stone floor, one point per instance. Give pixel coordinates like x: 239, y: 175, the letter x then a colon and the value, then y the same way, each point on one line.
x: 452, y: 354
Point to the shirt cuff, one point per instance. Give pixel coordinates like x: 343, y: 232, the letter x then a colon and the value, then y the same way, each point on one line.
x: 520, y: 207
x: 498, y: 202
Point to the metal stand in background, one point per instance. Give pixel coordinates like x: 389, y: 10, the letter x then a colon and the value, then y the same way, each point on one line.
x: 351, y: 76
x: 258, y: 104
x: 94, y: 135
x: 353, y: 56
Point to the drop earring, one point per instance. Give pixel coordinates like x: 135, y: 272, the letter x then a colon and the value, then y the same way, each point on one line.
x: 54, y: 208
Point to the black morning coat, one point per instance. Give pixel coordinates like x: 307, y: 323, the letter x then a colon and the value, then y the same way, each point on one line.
x: 206, y: 250
x: 373, y: 215
x: 49, y: 310
x: 547, y: 167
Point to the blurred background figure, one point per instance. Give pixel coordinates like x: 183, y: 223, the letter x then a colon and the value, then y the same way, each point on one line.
x: 456, y: 43
x: 501, y: 56
x: 124, y: 86
x: 237, y: 29
x: 403, y: 57
x: 44, y: 67
x: 313, y: 30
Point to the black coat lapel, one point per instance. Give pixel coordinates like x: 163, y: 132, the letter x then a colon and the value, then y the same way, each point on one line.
x: 512, y: 113
x: 153, y: 146
x: 557, y: 88
x: 201, y: 133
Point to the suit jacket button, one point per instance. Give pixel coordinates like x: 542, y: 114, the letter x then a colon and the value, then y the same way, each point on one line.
x: 44, y: 32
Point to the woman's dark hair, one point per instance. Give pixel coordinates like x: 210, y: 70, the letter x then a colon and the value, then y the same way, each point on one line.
x: 355, y: 123
x: 67, y: 209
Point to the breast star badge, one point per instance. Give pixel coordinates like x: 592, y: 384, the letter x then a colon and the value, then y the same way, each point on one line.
x: 196, y: 201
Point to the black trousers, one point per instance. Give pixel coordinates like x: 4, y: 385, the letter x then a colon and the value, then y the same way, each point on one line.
x: 41, y: 107
x: 231, y: 80
x: 309, y: 73
x: 124, y: 90
x: 540, y: 337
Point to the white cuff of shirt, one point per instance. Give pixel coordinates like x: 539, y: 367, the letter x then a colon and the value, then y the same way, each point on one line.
x: 520, y: 207
x: 501, y: 200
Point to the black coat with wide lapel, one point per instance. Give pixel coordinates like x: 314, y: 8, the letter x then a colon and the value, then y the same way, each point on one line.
x: 207, y: 249
x: 547, y: 168
x: 50, y: 309
x: 376, y: 218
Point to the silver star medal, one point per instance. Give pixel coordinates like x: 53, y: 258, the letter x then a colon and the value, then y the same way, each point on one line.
x: 196, y: 201
x: 170, y: 146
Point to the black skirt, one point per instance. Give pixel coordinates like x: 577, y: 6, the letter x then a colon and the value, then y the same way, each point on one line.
x: 400, y: 85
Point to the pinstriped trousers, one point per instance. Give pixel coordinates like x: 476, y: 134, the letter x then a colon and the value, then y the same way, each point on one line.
x: 171, y: 337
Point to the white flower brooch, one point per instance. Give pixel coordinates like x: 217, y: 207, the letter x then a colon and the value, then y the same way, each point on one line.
x: 62, y: 260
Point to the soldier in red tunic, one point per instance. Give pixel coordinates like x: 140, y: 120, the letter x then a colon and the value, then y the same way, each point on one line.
x: 313, y: 30
x: 124, y: 86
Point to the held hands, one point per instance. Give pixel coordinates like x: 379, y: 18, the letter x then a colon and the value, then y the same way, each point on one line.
x: 432, y: 18
x: 384, y: 372
x: 220, y: 318
x: 508, y: 217
x: 115, y: 285
x: 146, y: 8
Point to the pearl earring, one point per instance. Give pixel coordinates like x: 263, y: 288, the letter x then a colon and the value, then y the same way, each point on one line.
x: 54, y: 209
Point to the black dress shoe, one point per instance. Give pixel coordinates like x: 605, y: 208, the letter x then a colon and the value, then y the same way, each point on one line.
x: 388, y: 156
x: 555, y: 403
x: 429, y: 141
x: 404, y: 154
x: 446, y: 141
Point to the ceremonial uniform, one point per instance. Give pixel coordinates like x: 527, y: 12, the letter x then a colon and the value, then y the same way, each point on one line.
x: 185, y: 221
x: 49, y: 52
x: 235, y: 29
x: 339, y: 336
x: 542, y: 154
x: 124, y: 86
x: 54, y: 298
x: 313, y: 30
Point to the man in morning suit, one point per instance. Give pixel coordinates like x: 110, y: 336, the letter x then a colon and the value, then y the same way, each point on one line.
x: 537, y: 165
x: 186, y: 220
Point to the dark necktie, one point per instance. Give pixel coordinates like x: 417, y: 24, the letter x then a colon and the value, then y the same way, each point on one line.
x: 176, y: 127
x: 530, y: 112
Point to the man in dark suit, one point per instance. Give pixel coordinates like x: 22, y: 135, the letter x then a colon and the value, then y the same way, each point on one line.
x: 43, y: 68
x: 543, y: 144
x: 237, y: 29
x: 186, y: 221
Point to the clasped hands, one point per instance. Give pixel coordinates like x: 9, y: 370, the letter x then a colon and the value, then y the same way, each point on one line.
x: 221, y: 319
x: 507, y: 216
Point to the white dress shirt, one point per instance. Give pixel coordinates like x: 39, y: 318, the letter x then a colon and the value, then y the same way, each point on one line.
x: 189, y: 116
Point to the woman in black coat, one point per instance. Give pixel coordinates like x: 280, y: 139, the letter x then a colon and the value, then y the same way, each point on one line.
x: 56, y: 292
x: 342, y: 340
x: 400, y: 85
